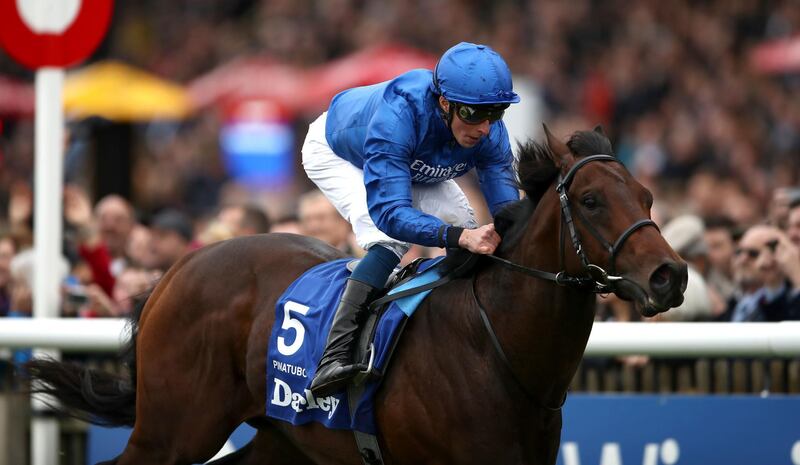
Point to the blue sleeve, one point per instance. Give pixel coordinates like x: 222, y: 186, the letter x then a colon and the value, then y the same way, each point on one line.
x: 388, y: 149
x: 495, y: 168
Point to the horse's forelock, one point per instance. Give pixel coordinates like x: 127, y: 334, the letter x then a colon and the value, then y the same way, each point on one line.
x: 536, y: 169
x: 586, y: 143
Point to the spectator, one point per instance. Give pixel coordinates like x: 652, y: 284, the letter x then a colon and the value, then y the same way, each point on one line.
x: 139, y: 250
x: 172, y: 235
x: 131, y: 285
x: 115, y: 220
x: 22, y: 295
x: 793, y: 223
x: 102, y: 239
x: 234, y: 221
x: 96, y: 303
x: 243, y: 220
x: 719, y: 238
x: 214, y: 231
x: 20, y: 212
x: 319, y: 218
x: 782, y: 200
x: 767, y: 269
x: 7, y: 251
x: 744, y: 305
x: 22, y: 277
x: 131, y: 288
x: 287, y: 224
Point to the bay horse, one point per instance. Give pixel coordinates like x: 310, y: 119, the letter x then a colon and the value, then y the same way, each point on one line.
x: 479, y: 375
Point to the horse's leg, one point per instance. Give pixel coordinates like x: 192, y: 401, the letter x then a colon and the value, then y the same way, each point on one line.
x: 190, y: 392
x: 177, y: 427
x: 268, y: 447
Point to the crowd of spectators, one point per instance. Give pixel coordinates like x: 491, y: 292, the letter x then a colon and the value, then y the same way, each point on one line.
x: 112, y: 258
x: 736, y: 273
x: 716, y: 141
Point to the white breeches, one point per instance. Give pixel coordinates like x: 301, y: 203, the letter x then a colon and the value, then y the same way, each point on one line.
x: 343, y: 184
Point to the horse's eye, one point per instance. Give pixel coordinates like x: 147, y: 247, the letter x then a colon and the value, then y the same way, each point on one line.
x: 589, y: 201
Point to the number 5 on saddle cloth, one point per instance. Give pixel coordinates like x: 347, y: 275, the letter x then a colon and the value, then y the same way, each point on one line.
x: 303, y: 317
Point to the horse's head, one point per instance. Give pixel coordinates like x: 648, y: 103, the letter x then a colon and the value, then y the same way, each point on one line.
x: 605, y: 225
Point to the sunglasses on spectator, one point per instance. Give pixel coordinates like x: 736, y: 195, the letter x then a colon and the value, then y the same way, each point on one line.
x: 754, y: 253
x: 477, y: 114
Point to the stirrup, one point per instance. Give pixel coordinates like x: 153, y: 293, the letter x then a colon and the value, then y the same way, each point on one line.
x: 362, y: 375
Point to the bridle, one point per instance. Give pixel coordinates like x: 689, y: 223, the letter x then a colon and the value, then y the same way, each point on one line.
x: 596, y: 278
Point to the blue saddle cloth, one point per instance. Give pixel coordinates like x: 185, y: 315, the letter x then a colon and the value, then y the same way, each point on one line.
x: 303, y: 317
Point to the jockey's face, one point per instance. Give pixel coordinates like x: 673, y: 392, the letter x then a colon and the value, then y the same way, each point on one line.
x: 467, y: 135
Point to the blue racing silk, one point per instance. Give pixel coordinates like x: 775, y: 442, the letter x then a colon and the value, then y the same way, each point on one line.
x: 394, y: 131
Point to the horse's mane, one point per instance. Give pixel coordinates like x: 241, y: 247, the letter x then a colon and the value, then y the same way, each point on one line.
x: 537, y: 172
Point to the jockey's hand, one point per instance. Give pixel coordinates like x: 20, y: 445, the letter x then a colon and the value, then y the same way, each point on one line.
x: 482, y: 240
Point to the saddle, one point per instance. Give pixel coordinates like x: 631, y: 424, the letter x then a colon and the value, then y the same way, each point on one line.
x: 457, y: 264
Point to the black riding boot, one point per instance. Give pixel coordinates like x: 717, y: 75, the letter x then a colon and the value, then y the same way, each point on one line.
x: 336, y: 366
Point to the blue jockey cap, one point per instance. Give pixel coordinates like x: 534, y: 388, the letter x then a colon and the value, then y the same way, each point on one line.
x: 474, y: 75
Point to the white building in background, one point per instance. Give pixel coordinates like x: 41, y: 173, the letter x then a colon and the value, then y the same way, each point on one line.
x: 524, y: 119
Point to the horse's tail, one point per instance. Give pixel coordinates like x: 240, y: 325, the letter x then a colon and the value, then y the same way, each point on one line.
x: 92, y: 395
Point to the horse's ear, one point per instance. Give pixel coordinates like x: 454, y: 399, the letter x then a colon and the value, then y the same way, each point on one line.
x: 599, y: 129
x: 558, y: 150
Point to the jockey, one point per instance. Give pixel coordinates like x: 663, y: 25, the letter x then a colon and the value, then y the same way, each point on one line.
x: 386, y: 155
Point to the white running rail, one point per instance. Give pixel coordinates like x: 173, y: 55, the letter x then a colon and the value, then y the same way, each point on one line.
x: 607, y: 339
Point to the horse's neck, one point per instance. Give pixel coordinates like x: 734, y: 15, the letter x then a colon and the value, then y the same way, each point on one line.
x: 542, y: 327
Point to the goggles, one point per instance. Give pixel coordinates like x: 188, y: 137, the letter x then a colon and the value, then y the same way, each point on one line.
x: 476, y: 114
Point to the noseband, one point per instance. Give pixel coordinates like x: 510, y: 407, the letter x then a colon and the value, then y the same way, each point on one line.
x: 596, y: 278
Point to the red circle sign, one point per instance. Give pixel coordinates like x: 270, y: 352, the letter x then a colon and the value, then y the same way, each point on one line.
x: 74, y: 44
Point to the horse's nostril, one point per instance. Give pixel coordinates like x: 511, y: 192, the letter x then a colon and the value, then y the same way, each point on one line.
x: 661, y: 277
x: 668, y: 279
x: 668, y: 282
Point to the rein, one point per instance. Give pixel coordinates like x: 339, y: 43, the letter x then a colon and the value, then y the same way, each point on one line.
x: 502, y: 355
x: 596, y: 280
